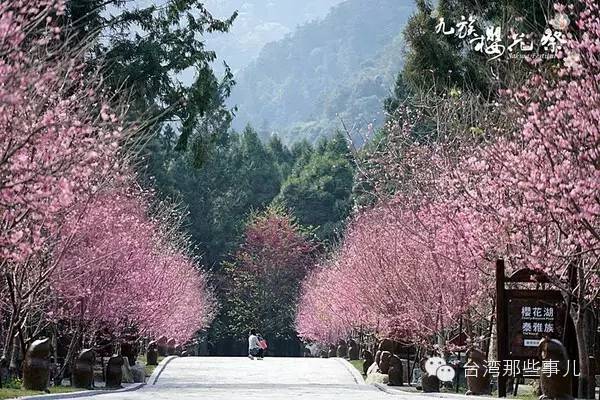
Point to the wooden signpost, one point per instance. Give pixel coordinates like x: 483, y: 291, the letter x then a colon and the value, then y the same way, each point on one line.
x: 523, y: 317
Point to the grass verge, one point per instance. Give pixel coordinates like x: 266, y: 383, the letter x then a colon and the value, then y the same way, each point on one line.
x: 11, y: 393
x: 149, y: 369
x: 358, y: 364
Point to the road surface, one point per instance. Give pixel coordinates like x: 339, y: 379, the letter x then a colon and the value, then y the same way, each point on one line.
x: 215, y: 378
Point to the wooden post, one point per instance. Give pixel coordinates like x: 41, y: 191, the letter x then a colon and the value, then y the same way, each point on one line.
x: 501, y: 326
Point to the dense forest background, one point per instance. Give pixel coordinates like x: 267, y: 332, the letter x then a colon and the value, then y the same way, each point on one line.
x: 241, y: 177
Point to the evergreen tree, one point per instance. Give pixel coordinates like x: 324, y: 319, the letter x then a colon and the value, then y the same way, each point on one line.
x: 301, y: 152
x: 318, y: 192
x: 147, y: 50
x: 401, y: 92
x: 435, y: 60
x: 240, y: 175
x: 257, y: 173
x: 445, y: 62
x: 282, y: 155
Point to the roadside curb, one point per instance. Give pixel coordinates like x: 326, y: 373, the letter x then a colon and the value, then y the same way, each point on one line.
x: 159, y: 370
x: 89, y: 393
x: 400, y: 392
x: 358, y: 378
x: 85, y: 393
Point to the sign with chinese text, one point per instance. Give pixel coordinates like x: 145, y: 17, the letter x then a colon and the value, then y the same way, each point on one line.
x: 532, y: 315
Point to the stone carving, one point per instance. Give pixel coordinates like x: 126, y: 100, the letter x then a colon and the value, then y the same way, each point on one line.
x: 477, y: 383
x: 36, y: 366
x: 557, y: 386
x: 395, y: 372
x: 129, y: 349
x: 138, y: 372
x: 353, y: 350
x: 114, y: 372
x: 378, y: 357
x: 384, y: 362
x: 373, y: 369
x: 171, y: 347
x: 429, y: 383
x: 104, y: 346
x: 342, y: 349
x: 332, y: 351
x: 162, y: 346
x: 127, y: 375
x: 82, y: 375
x: 152, y: 353
x: 415, y: 379
x: 368, y: 360
x: 377, y: 372
x: 387, y: 345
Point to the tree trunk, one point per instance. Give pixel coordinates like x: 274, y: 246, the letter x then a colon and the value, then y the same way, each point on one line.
x: 586, y: 387
x: 492, y: 349
x: 7, y: 352
x: 14, y: 320
x: 70, y: 352
x: 22, y: 341
x: 15, y: 358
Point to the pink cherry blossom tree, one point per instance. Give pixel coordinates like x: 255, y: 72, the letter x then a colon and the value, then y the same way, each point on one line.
x: 60, y: 137
x: 59, y: 133
x: 409, y: 271
x: 330, y: 308
x: 265, y: 274
x: 533, y: 193
x: 399, y: 273
x: 137, y: 277
x: 79, y: 242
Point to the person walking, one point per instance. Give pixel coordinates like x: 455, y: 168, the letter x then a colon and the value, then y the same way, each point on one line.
x: 254, y: 347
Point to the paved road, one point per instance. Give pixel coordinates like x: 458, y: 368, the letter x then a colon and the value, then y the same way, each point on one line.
x: 215, y: 378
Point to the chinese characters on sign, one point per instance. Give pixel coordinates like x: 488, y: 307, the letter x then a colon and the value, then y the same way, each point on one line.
x: 531, y: 318
x: 493, y: 42
x: 536, y: 320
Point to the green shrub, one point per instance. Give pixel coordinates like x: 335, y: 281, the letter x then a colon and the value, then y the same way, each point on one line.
x: 13, y: 383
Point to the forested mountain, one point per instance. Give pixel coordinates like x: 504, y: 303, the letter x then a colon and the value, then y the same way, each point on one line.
x: 259, y: 22
x: 341, y: 67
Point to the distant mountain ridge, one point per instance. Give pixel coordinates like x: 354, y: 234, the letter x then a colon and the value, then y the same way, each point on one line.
x: 339, y: 68
x: 258, y: 23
